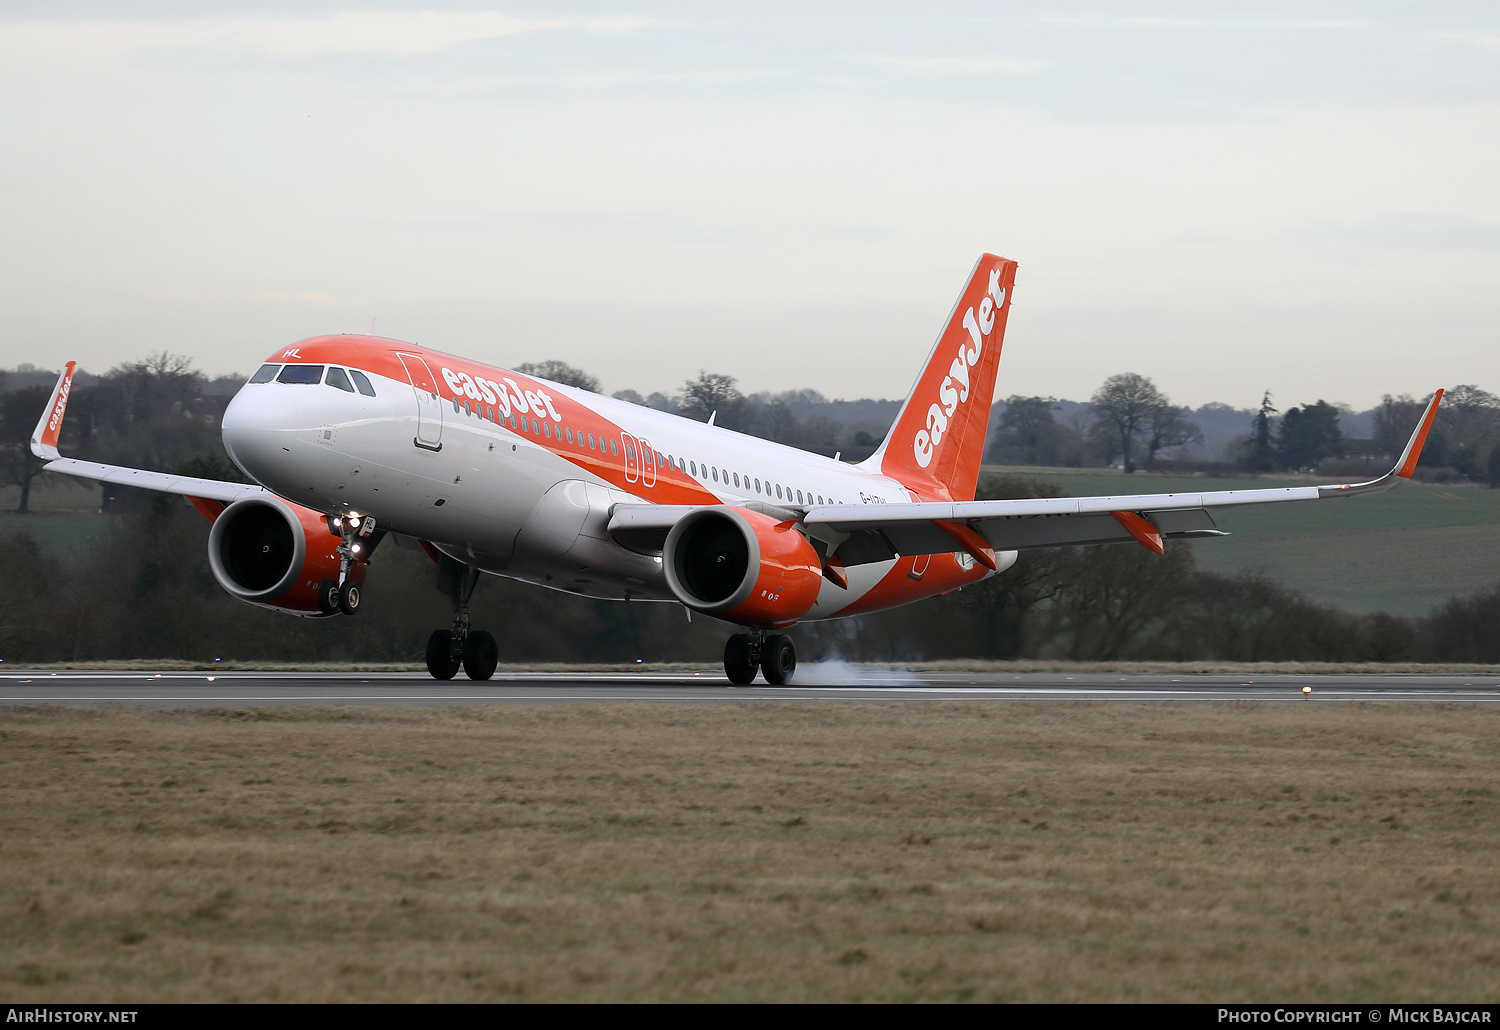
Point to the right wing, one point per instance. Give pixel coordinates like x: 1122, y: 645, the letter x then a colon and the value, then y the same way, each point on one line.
x: 862, y: 533
x: 877, y: 531
x: 44, y: 445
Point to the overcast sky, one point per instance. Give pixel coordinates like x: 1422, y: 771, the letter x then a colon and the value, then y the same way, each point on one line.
x: 1225, y: 197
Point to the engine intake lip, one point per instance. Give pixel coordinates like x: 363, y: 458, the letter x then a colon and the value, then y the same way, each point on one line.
x: 256, y: 548
x: 721, y: 534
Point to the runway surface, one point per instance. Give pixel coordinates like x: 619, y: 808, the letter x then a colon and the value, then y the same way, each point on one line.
x: 813, y: 683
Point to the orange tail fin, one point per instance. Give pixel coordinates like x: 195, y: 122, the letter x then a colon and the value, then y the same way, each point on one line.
x: 935, y: 446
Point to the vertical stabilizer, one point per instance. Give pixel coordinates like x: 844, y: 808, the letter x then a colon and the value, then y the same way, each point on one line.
x: 937, y: 441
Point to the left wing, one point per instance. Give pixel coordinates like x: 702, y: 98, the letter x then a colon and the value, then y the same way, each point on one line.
x: 863, y: 533
x: 44, y: 445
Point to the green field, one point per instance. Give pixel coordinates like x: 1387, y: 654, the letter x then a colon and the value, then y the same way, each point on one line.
x: 64, y: 513
x: 1404, y: 551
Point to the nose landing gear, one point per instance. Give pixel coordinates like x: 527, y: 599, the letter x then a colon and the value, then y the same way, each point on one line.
x: 773, y: 654
x: 357, y: 539
x: 448, y: 650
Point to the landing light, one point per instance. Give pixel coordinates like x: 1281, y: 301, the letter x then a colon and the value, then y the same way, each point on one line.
x: 354, y: 516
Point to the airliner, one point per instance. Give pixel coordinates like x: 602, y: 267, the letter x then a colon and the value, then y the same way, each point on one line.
x: 351, y: 440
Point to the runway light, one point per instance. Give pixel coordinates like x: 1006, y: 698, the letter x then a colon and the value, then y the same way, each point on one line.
x: 637, y: 661
x: 1307, y: 691
x: 211, y: 679
x: 218, y: 659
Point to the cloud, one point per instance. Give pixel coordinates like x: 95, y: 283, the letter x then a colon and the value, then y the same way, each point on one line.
x: 960, y: 65
x: 303, y: 297
x: 1412, y: 230
x: 382, y: 34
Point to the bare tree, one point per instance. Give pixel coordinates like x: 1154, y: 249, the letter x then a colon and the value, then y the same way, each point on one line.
x: 560, y: 372
x: 19, y: 414
x: 1395, y: 417
x: 1120, y: 414
x: 1168, y: 427
x: 712, y: 392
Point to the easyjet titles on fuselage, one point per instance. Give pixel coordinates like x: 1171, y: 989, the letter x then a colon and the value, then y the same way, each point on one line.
x: 492, y: 392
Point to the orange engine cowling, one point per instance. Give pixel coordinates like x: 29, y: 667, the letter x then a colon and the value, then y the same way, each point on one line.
x: 742, y: 566
x: 268, y: 552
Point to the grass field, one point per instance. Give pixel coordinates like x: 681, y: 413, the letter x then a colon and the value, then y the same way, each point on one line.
x: 1404, y: 551
x: 63, y: 514
x: 1062, y: 852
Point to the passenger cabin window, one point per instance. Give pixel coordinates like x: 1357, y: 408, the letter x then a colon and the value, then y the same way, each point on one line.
x: 612, y: 448
x: 629, y: 451
x: 301, y: 375
x: 337, y: 378
x: 265, y: 374
x: 363, y: 382
x: 591, y: 441
x: 778, y: 491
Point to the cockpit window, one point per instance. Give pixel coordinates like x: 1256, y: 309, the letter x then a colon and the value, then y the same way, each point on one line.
x: 336, y: 377
x: 265, y: 374
x: 301, y: 374
x: 363, y: 382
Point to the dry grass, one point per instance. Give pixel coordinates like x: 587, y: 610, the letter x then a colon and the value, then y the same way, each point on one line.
x: 759, y: 852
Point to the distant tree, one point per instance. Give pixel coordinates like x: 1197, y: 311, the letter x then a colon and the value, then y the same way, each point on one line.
x: 778, y: 423
x: 1492, y: 467
x: 1260, y: 448
x: 1469, y: 420
x: 1308, y: 435
x: 1026, y: 432
x: 560, y: 372
x: 710, y: 393
x: 661, y: 402
x: 629, y: 397
x: 19, y: 413
x: 1168, y: 427
x: 1120, y: 414
x: 1395, y: 418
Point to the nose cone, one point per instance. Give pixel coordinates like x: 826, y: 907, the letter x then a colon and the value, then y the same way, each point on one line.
x: 259, y: 426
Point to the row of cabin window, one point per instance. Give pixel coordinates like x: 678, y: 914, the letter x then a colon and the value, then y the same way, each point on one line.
x: 651, y: 457
x: 713, y: 471
x: 307, y: 375
x: 535, y: 426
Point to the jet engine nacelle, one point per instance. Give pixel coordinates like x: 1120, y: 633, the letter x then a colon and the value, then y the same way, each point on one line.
x: 276, y: 555
x: 742, y: 566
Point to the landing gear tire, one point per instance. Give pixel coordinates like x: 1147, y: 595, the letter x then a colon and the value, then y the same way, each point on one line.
x: 329, y: 596
x: 778, y: 659
x: 350, y: 596
x: 739, y: 659
x: 440, y: 660
x: 481, y: 655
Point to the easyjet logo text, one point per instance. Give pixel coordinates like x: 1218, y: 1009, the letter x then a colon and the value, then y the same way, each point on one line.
x: 62, y: 402
x: 954, y: 389
x: 525, y: 402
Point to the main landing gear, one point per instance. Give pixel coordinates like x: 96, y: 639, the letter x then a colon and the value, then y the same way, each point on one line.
x: 773, y: 654
x: 448, y: 649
